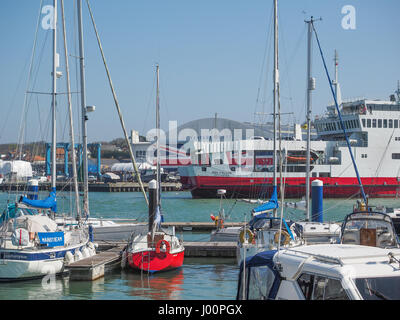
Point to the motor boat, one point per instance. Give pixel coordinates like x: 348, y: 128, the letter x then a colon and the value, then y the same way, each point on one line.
x: 321, y: 272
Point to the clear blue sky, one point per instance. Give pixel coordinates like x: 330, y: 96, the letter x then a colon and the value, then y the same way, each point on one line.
x: 210, y: 53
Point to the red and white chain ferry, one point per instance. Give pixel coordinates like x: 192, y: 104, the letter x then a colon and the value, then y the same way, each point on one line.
x: 244, y: 168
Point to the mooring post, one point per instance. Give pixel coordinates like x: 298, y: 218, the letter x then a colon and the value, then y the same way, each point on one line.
x: 317, y: 201
x: 33, y: 189
x: 152, y: 202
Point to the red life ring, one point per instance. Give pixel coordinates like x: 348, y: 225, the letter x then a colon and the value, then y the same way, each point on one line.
x: 158, y: 246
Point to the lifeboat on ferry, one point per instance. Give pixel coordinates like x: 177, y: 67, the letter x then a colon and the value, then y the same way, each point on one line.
x: 301, y: 158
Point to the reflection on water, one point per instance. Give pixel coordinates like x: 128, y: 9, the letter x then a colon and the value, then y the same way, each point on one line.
x: 198, y: 279
x: 159, y: 286
x: 34, y: 289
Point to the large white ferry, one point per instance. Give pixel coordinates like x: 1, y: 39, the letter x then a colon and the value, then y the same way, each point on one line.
x: 245, y: 168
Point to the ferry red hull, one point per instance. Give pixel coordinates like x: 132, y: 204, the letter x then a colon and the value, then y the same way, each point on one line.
x: 150, y: 261
x: 246, y: 187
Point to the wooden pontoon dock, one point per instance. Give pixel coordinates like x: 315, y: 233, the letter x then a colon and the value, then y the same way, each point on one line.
x: 110, y: 253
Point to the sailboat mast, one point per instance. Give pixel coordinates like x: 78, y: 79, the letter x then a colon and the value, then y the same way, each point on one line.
x: 84, y: 116
x: 336, y: 60
x: 310, y: 87
x: 71, y: 123
x: 276, y: 80
x: 158, y: 135
x: 54, y: 103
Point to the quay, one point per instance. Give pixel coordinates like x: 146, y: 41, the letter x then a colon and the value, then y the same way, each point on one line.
x: 109, y: 257
x: 199, y: 226
x: 94, y: 187
x: 96, y: 266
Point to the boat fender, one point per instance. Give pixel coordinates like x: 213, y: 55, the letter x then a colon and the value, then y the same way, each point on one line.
x: 250, y: 234
x: 69, y: 258
x: 85, y: 252
x: 92, y: 247
x: 123, y: 259
x: 283, y: 233
x: 158, y: 246
x: 78, y: 255
x: 92, y: 251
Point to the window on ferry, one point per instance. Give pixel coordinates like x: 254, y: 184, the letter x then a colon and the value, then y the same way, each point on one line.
x: 379, y: 123
x: 396, y: 123
x: 396, y: 156
x: 260, y: 283
x: 385, y: 123
x: 373, y: 123
x: 364, y: 156
x: 368, y: 123
x: 363, y: 123
x: 390, y: 123
x: 325, y: 174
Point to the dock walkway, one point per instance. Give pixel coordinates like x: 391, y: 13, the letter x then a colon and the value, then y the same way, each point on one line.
x: 110, y: 254
x: 96, y: 266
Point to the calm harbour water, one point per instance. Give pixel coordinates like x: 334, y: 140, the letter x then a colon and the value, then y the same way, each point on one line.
x: 198, y: 279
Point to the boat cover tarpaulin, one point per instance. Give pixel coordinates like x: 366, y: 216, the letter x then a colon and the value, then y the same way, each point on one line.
x: 49, y: 203
x: 262, y: 259
x: 260, y: 211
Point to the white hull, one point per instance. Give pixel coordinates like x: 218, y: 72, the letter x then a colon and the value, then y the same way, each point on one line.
x: 11, y: 270
x: 30, y: 264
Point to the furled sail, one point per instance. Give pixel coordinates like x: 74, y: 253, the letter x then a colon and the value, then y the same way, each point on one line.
x: 268, y: 206
x: 49, y: 203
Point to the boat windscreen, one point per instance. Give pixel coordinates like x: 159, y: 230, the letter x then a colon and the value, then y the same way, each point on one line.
x: 371, y: 232
x: 261, y: 280
x: 380, y: 288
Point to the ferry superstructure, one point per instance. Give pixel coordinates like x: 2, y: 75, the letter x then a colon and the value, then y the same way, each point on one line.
x: 244, y: 167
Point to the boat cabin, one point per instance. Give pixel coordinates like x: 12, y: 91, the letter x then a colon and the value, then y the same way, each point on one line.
x: 321, y: 272
x: 374, y: 229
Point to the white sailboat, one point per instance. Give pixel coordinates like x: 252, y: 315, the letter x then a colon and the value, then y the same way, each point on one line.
x: 264, y: 231
x: 32, y: 243
x: 363, y: 266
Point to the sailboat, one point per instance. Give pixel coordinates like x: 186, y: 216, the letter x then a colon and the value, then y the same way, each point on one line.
x: 264, y: 231
x: 368, y: 247
x: 158, y: 249
x: 32, y: 244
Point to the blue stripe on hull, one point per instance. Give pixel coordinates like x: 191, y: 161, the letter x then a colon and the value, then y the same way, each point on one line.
x: 27, y: 256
